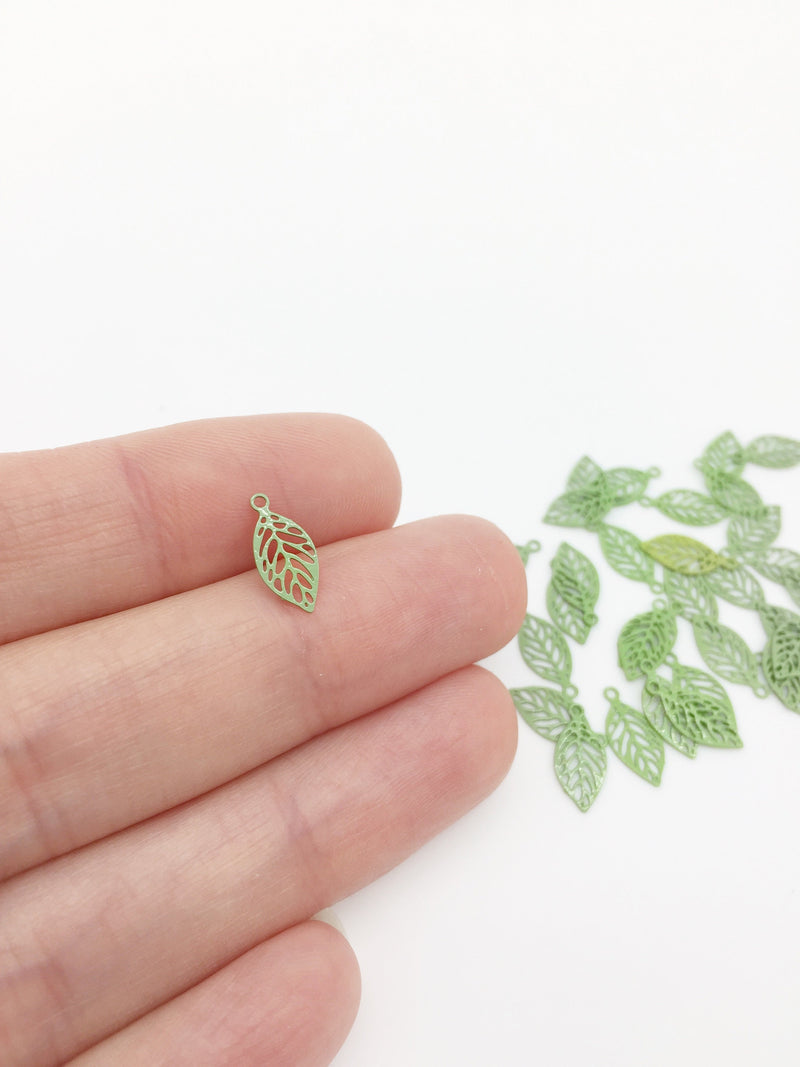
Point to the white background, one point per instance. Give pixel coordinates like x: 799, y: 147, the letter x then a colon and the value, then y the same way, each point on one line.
x: 504, y: 234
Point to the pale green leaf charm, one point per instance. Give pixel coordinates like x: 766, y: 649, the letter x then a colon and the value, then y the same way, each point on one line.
x: 776, y: 563
x: 747, y: 534
x: 781, y: 659
x: 684, y: 554
x: 690, y: 595
x: 580, y: 760
x: 626, y: 485
x: 723, y: 454
x: 689, y: 507
x: 631, y: 737
x: 699, y: 708
x: 726, y: 653
x: 572, y: 593
x: 734, y: 493
x: 655, y: 712
x: 777, y: 452
x: 780, y: 565
x: 645, y: 642
x: 285, y: 556
x: 583, y: 474
x: 546, y: 711
x: 545, y: 651
x: 624, y: 553
x: 736, y: 585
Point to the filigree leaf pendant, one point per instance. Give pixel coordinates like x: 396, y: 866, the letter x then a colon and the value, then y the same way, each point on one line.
x: 285, y: 556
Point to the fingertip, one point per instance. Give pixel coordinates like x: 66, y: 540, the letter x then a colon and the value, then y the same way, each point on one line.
x: 494, y: 728
x: 385, y: 483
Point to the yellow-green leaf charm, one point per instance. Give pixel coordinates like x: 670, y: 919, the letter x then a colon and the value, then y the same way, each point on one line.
x: 684, y: 554
x: 285, y: 556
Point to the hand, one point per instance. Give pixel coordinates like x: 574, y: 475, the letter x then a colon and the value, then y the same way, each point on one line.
x: 190, y: 767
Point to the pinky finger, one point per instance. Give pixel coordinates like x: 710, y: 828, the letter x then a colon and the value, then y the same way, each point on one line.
x: 288, y: 1002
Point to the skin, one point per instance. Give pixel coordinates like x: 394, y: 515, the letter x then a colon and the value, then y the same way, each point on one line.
x: 191, y: 768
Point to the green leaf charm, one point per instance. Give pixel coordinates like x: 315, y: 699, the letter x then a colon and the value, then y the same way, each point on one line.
x: 684, y: 554
x: 626, y: 485
x: 781, y: 659
x: 747, y: 534
x: 689, y: 595
x: 781, y: 565
x: 726, y: 653
x: 583, y: 474
x: 736, y: 585
x: 776, y: 563
x: 545, y: 651
x: 624, y: 553
x: 285, y: 556
x: 580, y: 507
x: 568, y: 619
x: 572, y: 593
x: 546, y: 711
x: 734, y: 493
x: 724, y: 454
x: 698, y: 707
x: 580, y: 760
x: 690, y: 508
x: 645, y: 642
x: 631, y: 737
x: 778, y: 452
x: 654, y: 708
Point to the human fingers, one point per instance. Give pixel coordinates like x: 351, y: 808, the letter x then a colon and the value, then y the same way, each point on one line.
x: 114, y: 720
x: 99, y: 527
x: 98, y: 938
x: 288, y: 1002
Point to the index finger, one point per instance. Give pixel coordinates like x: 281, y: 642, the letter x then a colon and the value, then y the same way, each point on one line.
x: 95, y: 528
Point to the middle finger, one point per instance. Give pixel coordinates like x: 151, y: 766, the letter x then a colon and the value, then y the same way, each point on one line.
x: 114, y: 720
